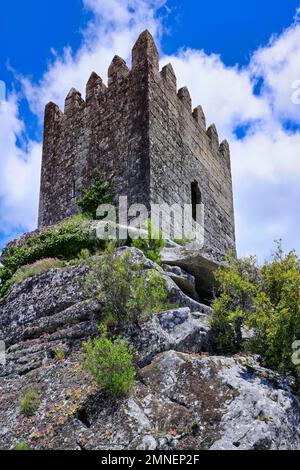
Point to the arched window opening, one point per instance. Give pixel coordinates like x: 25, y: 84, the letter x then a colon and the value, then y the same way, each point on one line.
x: 196, y: 199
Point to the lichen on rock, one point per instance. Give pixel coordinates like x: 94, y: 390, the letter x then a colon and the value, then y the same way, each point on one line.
x: 184, y: 397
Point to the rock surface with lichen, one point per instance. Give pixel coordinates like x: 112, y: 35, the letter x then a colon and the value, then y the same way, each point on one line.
x: 184, y: 396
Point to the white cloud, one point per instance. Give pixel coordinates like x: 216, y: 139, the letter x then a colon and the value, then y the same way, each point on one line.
x: 279, y: 65
x: 20, y: 169
x: 113, y: 29
x: 266, y: 161
x: 270, y: 157
x: 115, y: 26
x: 225, y: 93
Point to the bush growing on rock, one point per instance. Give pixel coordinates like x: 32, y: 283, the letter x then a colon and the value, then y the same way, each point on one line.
x: 265, y: 300
x: 22, y: 446
x: 30, y: 402
x: 238, y: 281
x: 182, y: 241
x: 111, y: 364
x: 65, y: 240
x: 82, y: 257
x: 36, y: 268
x: 60, y: 354
x: 127, y: 293
x: 152, y: 244
x: 5, y: 280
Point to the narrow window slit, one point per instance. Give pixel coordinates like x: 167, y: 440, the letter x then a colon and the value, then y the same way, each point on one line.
x: 196, y: 199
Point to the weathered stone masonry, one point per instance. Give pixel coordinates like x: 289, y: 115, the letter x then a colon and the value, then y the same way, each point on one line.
x: 144, y: 135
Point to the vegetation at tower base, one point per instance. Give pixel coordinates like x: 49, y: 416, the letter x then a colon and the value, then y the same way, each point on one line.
x: 60, y: 354
x: 127, y: 293
x: 266, y: 300
x: 184, y: 395
x: 101, y: 192
x: 142, y: 132
x: 151, y: 244
x: 64, y: 241
x: 110, y: 361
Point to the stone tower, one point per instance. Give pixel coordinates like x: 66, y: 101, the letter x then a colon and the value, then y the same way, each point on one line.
x: 144, y: 135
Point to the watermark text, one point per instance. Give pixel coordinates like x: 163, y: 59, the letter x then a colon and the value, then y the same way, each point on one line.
x: 2, y: 92
x: 296, y: 93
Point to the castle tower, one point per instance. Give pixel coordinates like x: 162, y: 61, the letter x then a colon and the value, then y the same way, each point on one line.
x: 144, y: 135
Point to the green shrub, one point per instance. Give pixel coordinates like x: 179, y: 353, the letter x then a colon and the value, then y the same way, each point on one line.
x: 65, y: 240
x: 127, y: 293
x: 152, y: 244
x: 5, y: 280
x: 148, y: 296
x: 30, y: 402
x: 22, y: 446
x: 264, y: 299
x: 85, y: 254
x: 60, y: 354
x: 101, y: 192
x: 238, y: 282
x: 82, y: 257
x: 276, y: 314
x: 36, y: 268
x: 111, y: 364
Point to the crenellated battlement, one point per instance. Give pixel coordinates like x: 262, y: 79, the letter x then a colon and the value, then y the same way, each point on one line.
x: 185, y: 97
x: 212, y: 133
x: 145, y: 53
x: 168, y: 74
x: 73, y: 102
x: 117, y: 71
x: 95, y: 88
x: 144, y: 57
x: 199, y: 116
x: 145, y: 135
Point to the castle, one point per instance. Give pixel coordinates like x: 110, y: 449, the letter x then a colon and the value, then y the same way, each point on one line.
x: 141, y: 132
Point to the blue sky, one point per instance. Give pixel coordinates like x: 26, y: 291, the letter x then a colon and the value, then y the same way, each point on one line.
x: 239, y: 60
x: 232, y: 28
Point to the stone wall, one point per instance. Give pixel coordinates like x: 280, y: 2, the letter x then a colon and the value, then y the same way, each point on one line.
x: 183, y: 152
x: 108, y: 131
x: 144, y: 135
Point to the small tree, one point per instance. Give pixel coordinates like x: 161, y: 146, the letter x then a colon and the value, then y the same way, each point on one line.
x: 101, y: 192
x: 111, y: 364
x: 265, y: 299
x: 238, y: 282
x: 127, y: 293
x: 275, y: 317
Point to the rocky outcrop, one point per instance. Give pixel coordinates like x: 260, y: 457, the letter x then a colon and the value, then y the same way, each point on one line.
x: 51, y: 310
x: 191, y: 268
x: 180, y: 401
x: 43, y: 313
x: 179, y: 329
x: 199, y: 264
x: 184, y: 397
